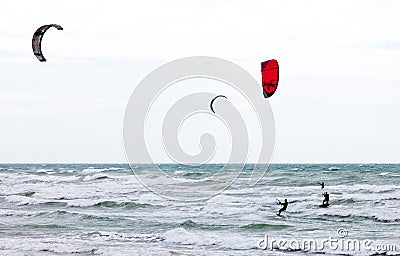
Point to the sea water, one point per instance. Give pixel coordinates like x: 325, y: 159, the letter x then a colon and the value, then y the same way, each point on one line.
x: 102, y: 209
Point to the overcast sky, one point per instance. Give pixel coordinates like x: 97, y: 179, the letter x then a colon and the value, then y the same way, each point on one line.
x: 337, y: 101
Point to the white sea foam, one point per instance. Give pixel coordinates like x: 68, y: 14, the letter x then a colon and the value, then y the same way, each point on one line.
x: 23, y: 200
x: 115, y: 169
x: 182, y: 236
x: 230, y: 241
x: 92, y: 170
x: 48, y: 171
x: 96, y: 176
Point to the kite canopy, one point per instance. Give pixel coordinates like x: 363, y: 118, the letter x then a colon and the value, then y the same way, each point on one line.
x: 37, y: 40
x: 212, y: 101
x: 270, y: 77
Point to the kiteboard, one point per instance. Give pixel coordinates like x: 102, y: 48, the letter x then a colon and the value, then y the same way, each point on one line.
x: 324, y: 205
x: 283, y: 216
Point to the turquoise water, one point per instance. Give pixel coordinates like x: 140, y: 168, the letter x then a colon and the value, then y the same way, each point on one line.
x: 102, y: 209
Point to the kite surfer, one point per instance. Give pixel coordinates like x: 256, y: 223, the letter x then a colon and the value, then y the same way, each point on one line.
x: 326, y: 199
x: 322, y: 185
x: 284, y: 206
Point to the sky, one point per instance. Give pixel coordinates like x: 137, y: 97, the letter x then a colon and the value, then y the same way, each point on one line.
x: 337, y: 100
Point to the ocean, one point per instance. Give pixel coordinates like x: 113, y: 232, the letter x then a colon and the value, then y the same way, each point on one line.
x: 102, y: 209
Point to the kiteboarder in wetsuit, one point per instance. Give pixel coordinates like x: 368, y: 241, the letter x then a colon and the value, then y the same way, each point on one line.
x: 326, y: 199
x: 322, y: 185
x: 284, y: 206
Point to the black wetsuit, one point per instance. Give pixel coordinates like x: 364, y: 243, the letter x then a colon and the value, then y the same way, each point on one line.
x: 285, y: 205
x: 322, y: 185
x: 326, y: 199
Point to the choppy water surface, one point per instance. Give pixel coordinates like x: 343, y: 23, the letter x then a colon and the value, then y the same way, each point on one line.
x: 87, y: 209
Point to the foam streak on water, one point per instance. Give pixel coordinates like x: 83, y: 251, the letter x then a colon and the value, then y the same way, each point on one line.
x: 97, y: 209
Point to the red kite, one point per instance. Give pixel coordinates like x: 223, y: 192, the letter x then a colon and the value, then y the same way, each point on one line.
x: 270, y: 77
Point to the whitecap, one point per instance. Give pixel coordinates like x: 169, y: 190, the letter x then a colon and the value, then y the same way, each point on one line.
x: 23, y: 200
x: 96, y: 176
x: 92, y: 170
